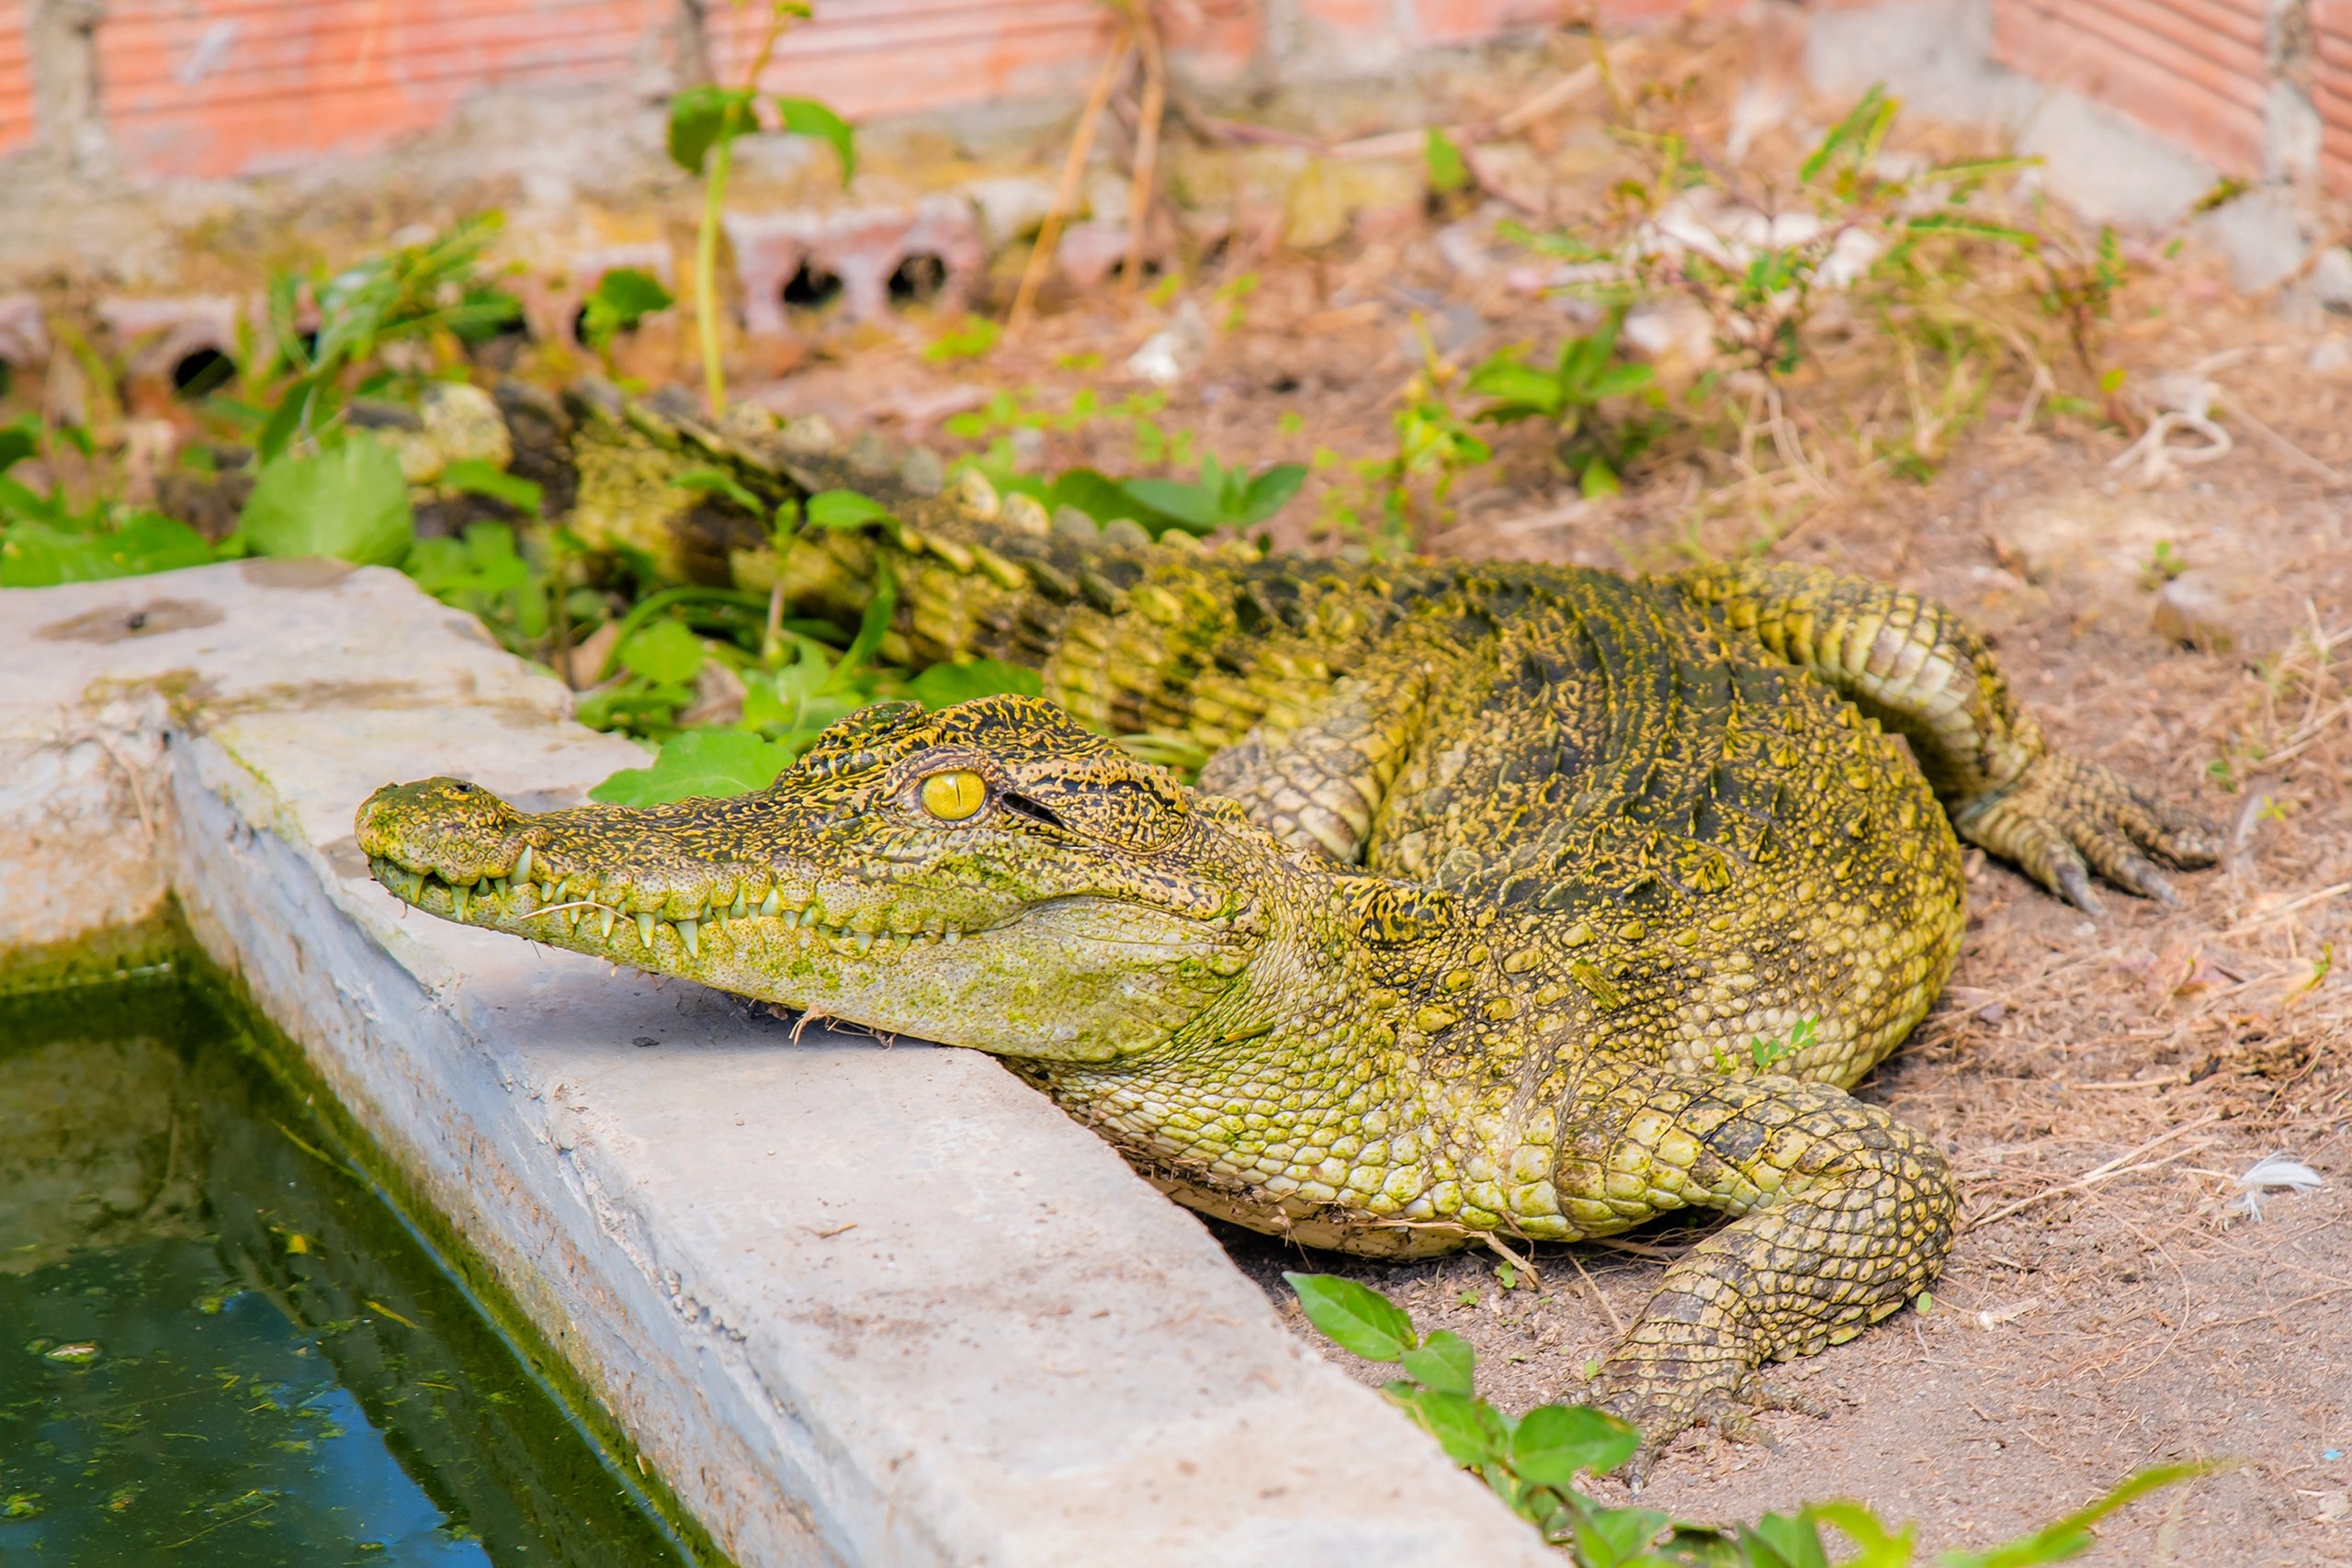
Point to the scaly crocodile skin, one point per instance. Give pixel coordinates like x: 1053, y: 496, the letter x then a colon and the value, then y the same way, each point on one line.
x: 1495, y: 874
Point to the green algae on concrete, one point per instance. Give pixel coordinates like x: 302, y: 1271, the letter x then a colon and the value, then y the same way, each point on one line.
x: 223, y: 1345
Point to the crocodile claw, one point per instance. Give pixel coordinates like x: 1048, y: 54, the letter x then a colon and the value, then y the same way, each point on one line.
x: 2065, y: 818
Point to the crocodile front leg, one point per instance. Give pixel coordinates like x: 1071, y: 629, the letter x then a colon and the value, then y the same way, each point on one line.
x: 1921, y: 671
x: 1844, y: 1214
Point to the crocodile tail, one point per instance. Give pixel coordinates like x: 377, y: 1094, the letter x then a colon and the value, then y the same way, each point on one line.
x: 1189, y: 638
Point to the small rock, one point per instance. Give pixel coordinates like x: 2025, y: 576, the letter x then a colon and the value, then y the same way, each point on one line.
x: 2262, y: 234
x: 2196, y: 611
x: 1010, y: 205
x: 2331, y: 280
x: 2329, y: 355
x: 1174, y: 351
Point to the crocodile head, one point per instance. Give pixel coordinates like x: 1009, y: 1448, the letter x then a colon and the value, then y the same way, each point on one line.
x: 989, y: 875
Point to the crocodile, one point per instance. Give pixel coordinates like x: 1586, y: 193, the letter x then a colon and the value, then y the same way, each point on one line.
x: 1474, y: 927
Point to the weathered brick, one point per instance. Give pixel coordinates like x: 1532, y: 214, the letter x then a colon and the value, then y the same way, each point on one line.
x: 867, y: 255
x: 156, y: 335
x: 2192, y: 71
x: 16, y: 78
x: 2332, y: 90
x: 212, y: 87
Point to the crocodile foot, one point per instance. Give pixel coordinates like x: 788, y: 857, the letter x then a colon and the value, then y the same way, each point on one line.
x: 2065, y: 817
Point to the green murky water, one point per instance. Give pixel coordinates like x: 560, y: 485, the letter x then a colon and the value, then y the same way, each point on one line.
x: 220, y: 1345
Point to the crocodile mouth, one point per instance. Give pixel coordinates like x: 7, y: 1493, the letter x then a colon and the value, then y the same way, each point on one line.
x: 535, y: 899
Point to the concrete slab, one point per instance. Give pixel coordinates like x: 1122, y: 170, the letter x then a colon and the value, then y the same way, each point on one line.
x: 857, y: 1303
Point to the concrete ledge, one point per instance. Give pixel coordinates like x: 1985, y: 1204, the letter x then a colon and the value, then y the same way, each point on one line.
x: 857, y: 1303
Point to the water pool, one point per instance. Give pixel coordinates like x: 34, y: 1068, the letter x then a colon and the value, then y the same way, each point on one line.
x: 221, y: 1344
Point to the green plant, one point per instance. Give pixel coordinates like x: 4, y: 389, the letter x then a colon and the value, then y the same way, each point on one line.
x: 970, y: 338
x: 704, y: 123
x: 435, y: 294
x: 1766, y: 1051
x: 622, y: 297
x: 2165, y: 563
x: 1957, y: 287
x: 1221, y: 498
x: 1534, y: 1462
x: 1569, y: 394
x: 47, y: 538
x: 1393, y: 501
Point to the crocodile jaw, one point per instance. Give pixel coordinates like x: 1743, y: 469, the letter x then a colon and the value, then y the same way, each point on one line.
x: 1069, y: 977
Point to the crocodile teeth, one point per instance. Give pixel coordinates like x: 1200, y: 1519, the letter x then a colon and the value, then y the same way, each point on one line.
x: 690, y: 933
x: 606, y: 924
x: 571, y: 920
x: 952, y: 938
x: 498, y: 885
x: 863, y: 942
x: 808, y: 916
x: 771, y: 904
x: 742, y: 907
x: 645, y: 929
x: 523, y: 864
x: 459, y: 899
x: 550, y: 893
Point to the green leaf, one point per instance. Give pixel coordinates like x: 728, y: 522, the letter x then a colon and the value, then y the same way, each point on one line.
x: 1858, y: 134
x: 718, y: 481
x: 1470, y: 1430
x: 874, y: 624
x: 1607, y: 1536
x: 1444, y: 1361
x: 1103, y: 499
x: 622, y: 297
x: 2071, y: 1536
x: 475, y: 477
x: 1784, y: 1541
x: 806, y: 117
x: 1194, y: 506
x: 1874, y: 1548
x: 1355, y: 1317
x: 700, y: 115
x: 968, y: 339
x: 1552, y: 1442
x: 1449, y: 172
x: 699, y: 764
x: 945, y: 685
x: 846, y: 509
x: 35, y: 555
x: 1599, y: 480
x: 664, y: 652
x: 1966, y: 227
x: 19, y: 439
x: 1270, y: 492
x: 348, y: 501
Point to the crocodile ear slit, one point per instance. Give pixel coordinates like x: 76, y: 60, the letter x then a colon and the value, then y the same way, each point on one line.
x: 1022, y: 805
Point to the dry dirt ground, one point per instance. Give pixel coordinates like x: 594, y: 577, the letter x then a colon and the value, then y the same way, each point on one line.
x: 2098, y: 1083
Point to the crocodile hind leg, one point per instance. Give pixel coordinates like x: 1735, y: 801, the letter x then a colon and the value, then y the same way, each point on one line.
x: 1922, y: 673
x: 1844, y: 1214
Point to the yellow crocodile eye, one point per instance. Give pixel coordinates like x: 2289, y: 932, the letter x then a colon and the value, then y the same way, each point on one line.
x: 952, y: 797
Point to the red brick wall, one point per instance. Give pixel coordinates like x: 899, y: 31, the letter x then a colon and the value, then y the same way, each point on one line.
x: 16, y: 78
x: 210, y: 87
x: 2332, y: 90
x: 867, y: 57
x: 2192, y: 71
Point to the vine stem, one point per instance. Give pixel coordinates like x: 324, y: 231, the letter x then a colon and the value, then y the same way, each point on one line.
x: 713, y: 196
